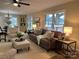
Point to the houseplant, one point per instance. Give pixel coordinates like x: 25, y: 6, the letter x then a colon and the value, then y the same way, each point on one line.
x: 19, y: 34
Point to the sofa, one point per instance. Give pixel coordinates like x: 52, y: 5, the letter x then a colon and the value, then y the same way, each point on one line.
x: 48, y: 42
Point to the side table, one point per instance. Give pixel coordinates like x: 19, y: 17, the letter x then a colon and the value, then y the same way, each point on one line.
x: 69, y: 47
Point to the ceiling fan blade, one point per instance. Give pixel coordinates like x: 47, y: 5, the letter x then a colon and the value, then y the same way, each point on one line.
x: 14, y: 1
x: 24, y: 3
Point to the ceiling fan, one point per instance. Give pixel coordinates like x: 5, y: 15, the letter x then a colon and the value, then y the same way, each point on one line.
x: 18, y: 3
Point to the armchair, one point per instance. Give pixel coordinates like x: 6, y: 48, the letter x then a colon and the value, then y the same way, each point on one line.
x: 6, y: 51
x: 8, y: 55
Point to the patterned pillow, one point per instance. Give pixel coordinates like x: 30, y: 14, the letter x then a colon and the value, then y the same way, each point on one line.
x: 61, y: 36
x: 52, y: 35
x: 48, y: 34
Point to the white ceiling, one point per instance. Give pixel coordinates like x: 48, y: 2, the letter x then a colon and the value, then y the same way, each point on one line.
x: 36, y: 5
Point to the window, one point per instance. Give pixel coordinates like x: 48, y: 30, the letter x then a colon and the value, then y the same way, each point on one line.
x: 59, y: 21
x: 29, y: 22
x: 55, y: 21
x: 13, y: 21
x: 49, y: 21
x: 59, y: 17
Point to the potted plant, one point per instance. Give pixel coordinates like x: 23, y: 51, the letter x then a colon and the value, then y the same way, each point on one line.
x: 19, y: 34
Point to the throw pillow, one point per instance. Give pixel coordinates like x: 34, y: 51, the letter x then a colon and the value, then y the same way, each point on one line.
x: 61, y: 37
x: 52, y: 35
x: 48, y: 34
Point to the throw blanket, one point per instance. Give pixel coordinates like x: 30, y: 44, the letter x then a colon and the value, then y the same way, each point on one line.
x: 39, y: 38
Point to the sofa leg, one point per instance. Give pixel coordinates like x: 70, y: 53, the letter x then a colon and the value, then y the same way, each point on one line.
x: 17, y: 50
x: 28, y: 48
x: 48, y: 50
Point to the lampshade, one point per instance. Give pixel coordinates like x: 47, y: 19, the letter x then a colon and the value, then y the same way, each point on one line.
x: 68, y: 30
x: 34, y: 26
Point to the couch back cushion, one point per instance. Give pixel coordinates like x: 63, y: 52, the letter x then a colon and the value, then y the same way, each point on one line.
x: 57, y: 34
x: 37, y: 32
x: 43, y: 31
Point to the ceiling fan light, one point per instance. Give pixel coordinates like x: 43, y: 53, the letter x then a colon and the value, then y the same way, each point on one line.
x: 17, y: 0
x: 15, y: 4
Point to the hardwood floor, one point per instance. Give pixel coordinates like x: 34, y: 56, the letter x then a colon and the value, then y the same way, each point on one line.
x: 37, y: 52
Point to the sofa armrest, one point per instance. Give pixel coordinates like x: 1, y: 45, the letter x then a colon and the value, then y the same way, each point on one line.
x: 45, y: 43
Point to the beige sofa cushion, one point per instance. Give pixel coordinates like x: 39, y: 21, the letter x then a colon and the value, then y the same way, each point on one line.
x: 8, y: 54
x: 5, y: 46
x: 38, y: 32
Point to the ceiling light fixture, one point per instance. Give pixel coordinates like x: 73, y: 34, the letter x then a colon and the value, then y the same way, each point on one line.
x: 17, y: 0
x: 18, y: 3
x: 15, y: 4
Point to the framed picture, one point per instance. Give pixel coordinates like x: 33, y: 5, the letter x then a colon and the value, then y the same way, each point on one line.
x: 37, y: 19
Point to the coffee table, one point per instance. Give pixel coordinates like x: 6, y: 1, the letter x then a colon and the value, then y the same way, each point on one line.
x: 21, y: 45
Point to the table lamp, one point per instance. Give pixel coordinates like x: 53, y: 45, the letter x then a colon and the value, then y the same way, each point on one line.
x: 34, y: 26
x: 67, y: 31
